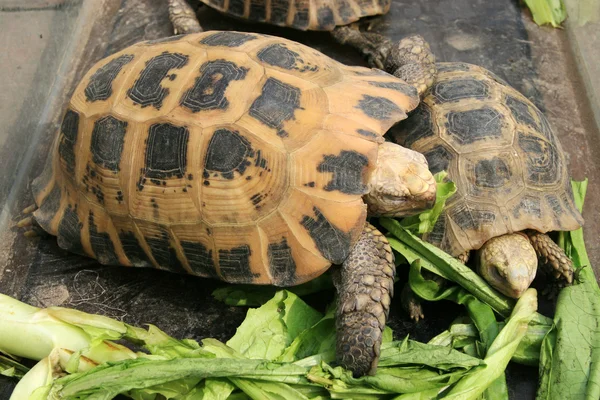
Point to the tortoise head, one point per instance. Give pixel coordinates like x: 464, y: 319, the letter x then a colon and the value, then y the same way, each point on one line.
x: 401, y: 184
x: 508, y: 263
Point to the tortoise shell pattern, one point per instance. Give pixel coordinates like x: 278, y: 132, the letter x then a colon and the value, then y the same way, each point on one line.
x: 235, y: 156
x: 508, y: 165
x: 319, y: 15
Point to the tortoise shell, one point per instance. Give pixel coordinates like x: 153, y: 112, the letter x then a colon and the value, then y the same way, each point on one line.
x: 319, y: 15
x: 221, y: 154
x: 509, y: 167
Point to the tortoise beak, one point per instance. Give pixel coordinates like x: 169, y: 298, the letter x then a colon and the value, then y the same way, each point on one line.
x: 422, y: 187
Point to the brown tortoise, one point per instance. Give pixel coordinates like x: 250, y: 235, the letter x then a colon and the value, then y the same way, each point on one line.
x: 510, y: 171
x: 324, y: 15
x: 242, y: 157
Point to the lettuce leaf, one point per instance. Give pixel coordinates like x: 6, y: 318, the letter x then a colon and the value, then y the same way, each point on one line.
x: 423, y: 222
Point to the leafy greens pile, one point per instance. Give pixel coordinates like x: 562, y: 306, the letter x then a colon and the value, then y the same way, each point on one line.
x: 285, y: 349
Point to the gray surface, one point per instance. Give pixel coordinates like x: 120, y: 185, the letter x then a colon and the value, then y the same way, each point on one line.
x: 496, y: 35
x: 583, y: 31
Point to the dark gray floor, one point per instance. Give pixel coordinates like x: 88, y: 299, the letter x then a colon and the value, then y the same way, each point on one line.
x: 47, y: 49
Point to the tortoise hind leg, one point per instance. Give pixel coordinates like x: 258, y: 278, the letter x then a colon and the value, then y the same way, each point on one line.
x: 412, y: 303
x: 365, y: 284
x: 183, y: 17
x: 29, y: 222
x: 410, y: 59
x: 372, y: 46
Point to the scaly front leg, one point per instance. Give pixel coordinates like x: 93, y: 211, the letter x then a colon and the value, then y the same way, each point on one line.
x: 365, y: 285
x: 410, y: 59
x: 183, y: 17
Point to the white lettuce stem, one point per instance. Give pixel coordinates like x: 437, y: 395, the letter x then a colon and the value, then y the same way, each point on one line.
x: 54, y: 335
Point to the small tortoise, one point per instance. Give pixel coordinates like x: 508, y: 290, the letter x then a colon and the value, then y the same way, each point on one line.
x: 241, y: 157
x: 325, y: 15
x: 510, y: 172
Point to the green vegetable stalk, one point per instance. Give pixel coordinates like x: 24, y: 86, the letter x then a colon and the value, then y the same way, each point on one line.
x: 499, y: 353
x: 440, y: 262
x: 12, y: 368
x: 551, y: 12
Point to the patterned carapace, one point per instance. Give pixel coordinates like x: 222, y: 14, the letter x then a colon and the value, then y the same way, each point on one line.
x: 508, y: 165
x: 222, y: 154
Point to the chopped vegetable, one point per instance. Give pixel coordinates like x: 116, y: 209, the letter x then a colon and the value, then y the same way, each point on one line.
x: 551, y: 12
x: 292, y: 350
x: 438, y: 261
x: 499, y: 353
x: 267, y: 331
x: 10, y: 367
x: 256, y: 295
x: 424, y: 221
x: 570, y: 357
x: 480, y: 313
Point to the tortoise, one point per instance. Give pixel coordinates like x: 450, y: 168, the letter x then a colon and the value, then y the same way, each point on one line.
x: 511, y: 175
x: 241, y: 157
x: 335, y: 16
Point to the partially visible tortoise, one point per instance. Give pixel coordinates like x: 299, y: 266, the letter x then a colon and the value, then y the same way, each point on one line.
x: 324, y: 15
x: 241, y: 157
x: 510, y: 171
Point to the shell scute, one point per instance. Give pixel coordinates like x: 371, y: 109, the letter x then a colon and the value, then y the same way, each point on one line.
x: 334, y: 167
x: 293, y: 59
x: 156, y: 177
x: 244, y: 177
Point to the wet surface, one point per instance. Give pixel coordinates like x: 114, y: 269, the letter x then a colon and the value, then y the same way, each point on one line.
x: 496, y: 35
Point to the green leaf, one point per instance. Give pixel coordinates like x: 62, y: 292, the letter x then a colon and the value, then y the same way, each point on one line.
x: 267, y: 331
x: 114, y: 378
x: 267, y: 390
x: 425, y: 395
x: 423, y: 222
x: 319, y: 338
x: 472, y: 385
x: 570, y: 355
x: 12, y: 368
x: 410, y: 353
x: 407, y: 380
x: 551, y: 12
x: 217, y: 389
x: 256, y: 295
x: 159, y: 343
x: 436, y: 260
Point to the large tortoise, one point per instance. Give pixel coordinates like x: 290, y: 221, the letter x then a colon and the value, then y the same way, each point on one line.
x: 511, y: 175
x: 241, y: 157
x: 323, y: 15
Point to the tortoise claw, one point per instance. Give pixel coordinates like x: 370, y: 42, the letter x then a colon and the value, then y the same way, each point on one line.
x: 30, y: 209
x: 30, y: 234
x: 25, y: 222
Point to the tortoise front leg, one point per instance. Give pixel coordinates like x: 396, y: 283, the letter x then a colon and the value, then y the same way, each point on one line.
x: 409, y: 59
x: 365, y: 285
x: 552, y: 258
x: 183, y: 17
